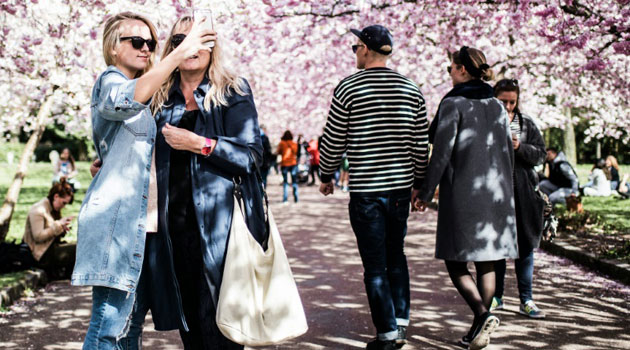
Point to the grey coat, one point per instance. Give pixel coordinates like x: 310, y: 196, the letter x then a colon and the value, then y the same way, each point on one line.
x: 472, y: 161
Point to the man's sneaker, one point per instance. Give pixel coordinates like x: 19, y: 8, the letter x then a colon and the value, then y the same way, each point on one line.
x: 401, y: 339
x: 531, y: 310
x: 481, y: 336
x: 497, y: 304
x: 377, y: 344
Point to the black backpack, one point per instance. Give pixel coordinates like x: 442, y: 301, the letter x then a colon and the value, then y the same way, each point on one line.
x: 15, y: 257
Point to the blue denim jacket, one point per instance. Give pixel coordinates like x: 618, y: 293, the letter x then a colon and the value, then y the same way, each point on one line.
x: 112, y: 218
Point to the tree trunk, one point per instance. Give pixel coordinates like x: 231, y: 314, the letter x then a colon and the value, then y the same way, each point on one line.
x: 6, y: 212
x: 598, y: 150
x: 570, y: 149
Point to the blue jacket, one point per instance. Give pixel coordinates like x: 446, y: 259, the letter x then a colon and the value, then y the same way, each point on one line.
x: 112, y: 218
x: 238, y: 153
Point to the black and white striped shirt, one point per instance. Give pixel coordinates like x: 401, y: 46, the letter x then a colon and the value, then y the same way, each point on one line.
x: 378, y: 117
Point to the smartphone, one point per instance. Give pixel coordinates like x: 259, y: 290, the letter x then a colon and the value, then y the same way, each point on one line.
x: 207, y: 14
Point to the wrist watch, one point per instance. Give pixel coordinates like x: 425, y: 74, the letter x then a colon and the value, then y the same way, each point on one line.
x: 207, y: 148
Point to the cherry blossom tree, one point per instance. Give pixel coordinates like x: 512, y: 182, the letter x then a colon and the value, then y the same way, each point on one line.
x: 568, y: 55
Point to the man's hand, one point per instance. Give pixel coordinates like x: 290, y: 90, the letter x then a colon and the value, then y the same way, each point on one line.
x: 182, y: 139
x: 327, y: 188
x: 414, y: 199
x: 95, y: 167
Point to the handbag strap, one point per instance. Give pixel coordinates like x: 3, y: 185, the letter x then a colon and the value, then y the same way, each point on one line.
x: 238, y: 194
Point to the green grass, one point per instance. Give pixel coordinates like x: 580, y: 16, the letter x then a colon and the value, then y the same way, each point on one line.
x: 11, y: 279
x: 35, y: 187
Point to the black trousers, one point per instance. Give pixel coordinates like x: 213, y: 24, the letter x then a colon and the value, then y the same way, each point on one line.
x: 197, y: 302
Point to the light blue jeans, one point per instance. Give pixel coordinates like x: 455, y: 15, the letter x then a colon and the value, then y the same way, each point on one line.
x: 111, y: 313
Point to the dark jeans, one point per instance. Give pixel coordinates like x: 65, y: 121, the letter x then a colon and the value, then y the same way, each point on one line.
x: 286, y: 170
x: 524, y: 268
x: 314, y: 170
x: 264, y: 173
x: 379, y: 221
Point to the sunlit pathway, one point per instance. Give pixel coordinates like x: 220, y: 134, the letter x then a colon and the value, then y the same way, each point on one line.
x: 584, y: 310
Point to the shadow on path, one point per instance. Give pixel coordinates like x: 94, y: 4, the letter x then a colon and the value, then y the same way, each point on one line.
x: 584, y: 310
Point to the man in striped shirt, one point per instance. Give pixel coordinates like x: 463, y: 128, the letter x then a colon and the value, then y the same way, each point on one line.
x: 378, y: 118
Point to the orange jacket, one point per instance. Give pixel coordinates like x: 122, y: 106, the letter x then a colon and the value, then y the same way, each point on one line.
x: 288, y: 151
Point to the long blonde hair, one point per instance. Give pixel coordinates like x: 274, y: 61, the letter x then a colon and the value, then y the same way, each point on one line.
x: 221, y: 78
x: 613, y: 162
x: 111, y: 37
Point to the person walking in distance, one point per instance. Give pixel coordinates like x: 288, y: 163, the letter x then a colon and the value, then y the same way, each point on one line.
x: 378, y: 118
x: 288, y: 149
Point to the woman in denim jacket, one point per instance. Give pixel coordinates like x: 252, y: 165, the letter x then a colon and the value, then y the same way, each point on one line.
x: 113, y: 219
x: 208, y: 137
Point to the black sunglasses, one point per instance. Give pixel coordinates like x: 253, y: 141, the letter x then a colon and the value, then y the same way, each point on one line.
x: 356, y: 47
x: 138, y: 42
x: 177, y: 39
x: 448, y: 69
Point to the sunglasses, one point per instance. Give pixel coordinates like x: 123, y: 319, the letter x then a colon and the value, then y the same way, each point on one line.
x: 177, y: 39
x: 138, y: 42
x: 356, y: 47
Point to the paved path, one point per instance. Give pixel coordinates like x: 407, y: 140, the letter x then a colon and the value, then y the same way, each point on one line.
x: 585, y: 310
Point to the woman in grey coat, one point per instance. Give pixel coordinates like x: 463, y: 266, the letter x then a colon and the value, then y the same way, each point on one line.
x: 472, y: 162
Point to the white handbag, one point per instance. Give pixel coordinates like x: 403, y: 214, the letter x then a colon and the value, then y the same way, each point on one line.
x: 259, y: 303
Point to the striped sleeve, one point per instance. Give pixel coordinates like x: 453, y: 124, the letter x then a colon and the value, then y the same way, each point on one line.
x: 420, y: 152
x: 335, y: 139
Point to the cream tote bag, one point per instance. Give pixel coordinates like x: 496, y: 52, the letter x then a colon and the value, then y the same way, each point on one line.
x: 259, y: 302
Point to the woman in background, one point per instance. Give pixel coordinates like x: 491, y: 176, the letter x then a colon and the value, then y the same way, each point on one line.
x: 529, y: 152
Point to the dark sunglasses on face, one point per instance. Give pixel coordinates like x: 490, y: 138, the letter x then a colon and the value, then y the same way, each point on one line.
x: 177, y: 39
x: 448, y: 69
x: 356, y: 47
x: 138, y: 42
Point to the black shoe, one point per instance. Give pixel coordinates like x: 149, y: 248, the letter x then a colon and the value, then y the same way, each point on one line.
x: 377, y: 344
x: 401, y: 339
x: 465, y: 341
x: 485, y: 326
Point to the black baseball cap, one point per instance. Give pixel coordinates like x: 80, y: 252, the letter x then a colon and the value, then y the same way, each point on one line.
x: 376, y: 38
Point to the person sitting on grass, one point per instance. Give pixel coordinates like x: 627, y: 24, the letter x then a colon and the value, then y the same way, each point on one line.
x: 598, y: 181
x: 65, y: 167
x: 621, y: 186
x: 44, y: 229
x: 562, y: 181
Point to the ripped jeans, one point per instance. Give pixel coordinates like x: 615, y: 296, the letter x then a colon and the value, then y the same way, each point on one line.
x: 111, y: 313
